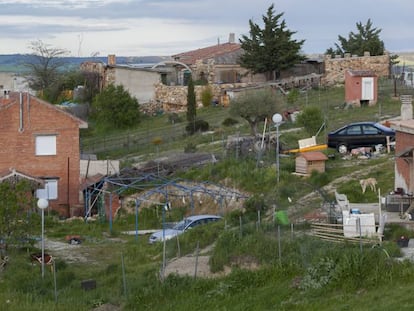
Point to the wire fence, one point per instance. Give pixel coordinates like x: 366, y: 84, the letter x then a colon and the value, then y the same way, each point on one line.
x: 143, y: 140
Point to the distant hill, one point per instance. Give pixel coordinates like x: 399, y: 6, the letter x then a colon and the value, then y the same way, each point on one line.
x: 13, y: 62
x: 406, y: 59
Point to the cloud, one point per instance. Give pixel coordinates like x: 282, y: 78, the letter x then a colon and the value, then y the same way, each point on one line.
x: 166, y: 27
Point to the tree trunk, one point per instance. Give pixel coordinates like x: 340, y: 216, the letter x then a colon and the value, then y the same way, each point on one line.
x: 253, y: 127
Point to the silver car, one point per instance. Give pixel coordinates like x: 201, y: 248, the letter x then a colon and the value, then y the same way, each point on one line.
x: 181, y: 227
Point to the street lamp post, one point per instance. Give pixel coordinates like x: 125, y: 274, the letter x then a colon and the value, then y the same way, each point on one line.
x: 43, y: 204
x: 277, y: 120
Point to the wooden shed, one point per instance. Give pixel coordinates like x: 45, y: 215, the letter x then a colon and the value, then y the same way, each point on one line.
x: 307, y: 162
x: 361, y: 87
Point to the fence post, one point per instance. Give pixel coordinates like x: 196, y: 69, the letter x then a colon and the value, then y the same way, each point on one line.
x: 196, y: 263
x: 279, y: 244
x: 240, y: 221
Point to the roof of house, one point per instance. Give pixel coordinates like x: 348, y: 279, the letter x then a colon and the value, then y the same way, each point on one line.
x: 314, y: 156
x: 13, y: 175
x: 362, y: 73
x: 213, y: 51
x: 404, y: 126
x: 91, y: 180
x: 12, y: 98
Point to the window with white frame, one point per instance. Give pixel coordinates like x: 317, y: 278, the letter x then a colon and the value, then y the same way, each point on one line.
x: 50, y: 192
x: 45, y: 145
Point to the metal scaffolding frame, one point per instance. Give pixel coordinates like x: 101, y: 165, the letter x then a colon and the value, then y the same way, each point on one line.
x: 149, y: 184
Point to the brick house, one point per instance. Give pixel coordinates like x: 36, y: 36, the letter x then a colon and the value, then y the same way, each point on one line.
x: 41, y: 141
x: 404, y: 155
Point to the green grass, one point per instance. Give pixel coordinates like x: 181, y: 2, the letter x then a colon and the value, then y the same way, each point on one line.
x: 294, y: 278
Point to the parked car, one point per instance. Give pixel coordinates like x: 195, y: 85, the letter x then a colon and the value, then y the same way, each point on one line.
x: 360, y: 134
x: 182, y: 226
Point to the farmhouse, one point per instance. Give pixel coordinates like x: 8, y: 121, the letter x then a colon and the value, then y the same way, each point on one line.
x: 41, y: 142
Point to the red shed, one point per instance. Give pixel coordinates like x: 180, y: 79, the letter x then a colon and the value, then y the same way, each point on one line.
x: 361, y: 87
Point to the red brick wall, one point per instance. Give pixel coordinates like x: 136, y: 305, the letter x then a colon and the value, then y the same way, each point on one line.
x: 403, y: 141
x: 17, y: 146
x: 353, y: 88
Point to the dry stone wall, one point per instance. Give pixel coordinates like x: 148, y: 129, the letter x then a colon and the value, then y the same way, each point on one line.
x: 174, y: 98
x: 335, y: 67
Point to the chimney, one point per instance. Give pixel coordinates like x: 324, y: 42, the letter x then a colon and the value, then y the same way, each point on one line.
x: 232, y: 38
x: 406, y: 107
x: 111, y: 60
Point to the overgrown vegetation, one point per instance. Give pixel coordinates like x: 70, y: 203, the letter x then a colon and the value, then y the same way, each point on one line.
x: 276, y: 267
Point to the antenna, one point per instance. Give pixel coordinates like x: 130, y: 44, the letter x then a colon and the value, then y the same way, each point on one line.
x: 80, y: 39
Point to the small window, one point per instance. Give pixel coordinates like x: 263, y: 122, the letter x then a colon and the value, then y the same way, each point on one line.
x: 45, y: 145
x: 50, y: 192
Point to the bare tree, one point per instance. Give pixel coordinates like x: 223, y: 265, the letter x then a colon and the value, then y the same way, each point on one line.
x: 44, y: 66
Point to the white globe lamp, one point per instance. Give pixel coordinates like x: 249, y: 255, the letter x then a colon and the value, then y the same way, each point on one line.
x: 277, y: 120
x: 42, y: 204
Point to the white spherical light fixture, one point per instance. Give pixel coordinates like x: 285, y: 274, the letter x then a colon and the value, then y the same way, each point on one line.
x: 42, y: 204
x: 277, y: 118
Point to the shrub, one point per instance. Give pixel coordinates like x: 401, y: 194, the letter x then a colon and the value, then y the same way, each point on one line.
x: 229, y: 122
x: 292, y: 96
x: 311, y: 118
x: 197, y: 126
x: 206, y: 96
x: 174, y: 118
x: 190, y: 148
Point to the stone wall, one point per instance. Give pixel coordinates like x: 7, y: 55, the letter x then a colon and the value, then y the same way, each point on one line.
x: 335, y: 67
x: 174, y: 98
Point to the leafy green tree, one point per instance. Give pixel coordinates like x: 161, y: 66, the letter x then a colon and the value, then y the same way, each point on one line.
x: 271, y: 49
x: 311, y: 118
x: 367, y: 38
x: 254, y: 107
x: 15, y: 202
x: 44, y: 66
x: 191, y: 101
x: 115, y: 108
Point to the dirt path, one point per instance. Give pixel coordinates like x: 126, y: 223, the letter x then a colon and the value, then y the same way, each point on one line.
x: 331, y: 187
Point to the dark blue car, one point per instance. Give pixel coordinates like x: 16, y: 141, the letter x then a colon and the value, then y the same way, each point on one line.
x: 360, y: 134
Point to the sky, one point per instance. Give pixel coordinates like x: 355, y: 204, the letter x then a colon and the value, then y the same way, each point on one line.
x: 166, y: 27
